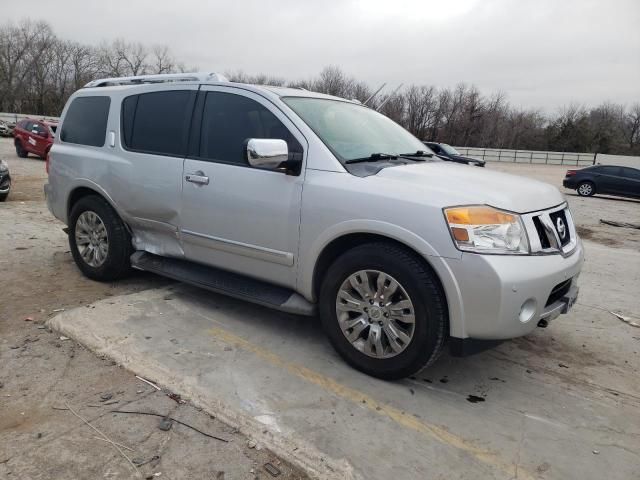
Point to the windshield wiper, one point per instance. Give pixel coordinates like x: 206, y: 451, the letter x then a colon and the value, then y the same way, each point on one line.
x: 375, y: 157
x: 420, y: 155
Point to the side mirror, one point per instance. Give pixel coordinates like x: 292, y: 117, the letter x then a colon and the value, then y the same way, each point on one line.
x: 267, y: 153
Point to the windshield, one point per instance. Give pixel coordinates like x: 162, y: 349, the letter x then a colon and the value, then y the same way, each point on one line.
x: 353, y: 131
x: 449, y: 149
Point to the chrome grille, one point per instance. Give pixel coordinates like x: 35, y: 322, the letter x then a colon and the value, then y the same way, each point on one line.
x: 551, y: 231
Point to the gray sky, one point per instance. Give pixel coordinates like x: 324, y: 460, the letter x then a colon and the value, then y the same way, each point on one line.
x: 541, y: 53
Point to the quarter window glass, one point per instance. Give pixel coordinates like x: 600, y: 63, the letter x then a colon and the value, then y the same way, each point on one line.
x: 157, y: 122
x: 229, y: 120
x: 86, y: 121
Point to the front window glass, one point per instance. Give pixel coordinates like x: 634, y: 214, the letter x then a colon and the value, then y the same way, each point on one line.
x: 229, y: 120
x: 353, y: 131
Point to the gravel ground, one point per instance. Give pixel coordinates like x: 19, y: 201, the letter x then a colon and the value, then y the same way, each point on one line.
x: 41, y: 374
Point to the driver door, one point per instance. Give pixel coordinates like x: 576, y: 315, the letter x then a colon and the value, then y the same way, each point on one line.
x: 234, y: 216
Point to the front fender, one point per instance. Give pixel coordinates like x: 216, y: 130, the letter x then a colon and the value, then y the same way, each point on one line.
x: 309, y: 257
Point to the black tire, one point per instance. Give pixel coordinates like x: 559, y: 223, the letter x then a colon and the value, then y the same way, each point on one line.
x: 3, y: 196
x: 422, y: 287
x: 20, y: 151
x: 586, y: 189
x: 117, y: 264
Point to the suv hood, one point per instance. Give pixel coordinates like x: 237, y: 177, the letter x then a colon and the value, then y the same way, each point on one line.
x: 454, y: 184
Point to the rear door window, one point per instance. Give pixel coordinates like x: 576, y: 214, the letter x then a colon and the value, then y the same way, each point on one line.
x: 157, y: 122
x: 86, y: 121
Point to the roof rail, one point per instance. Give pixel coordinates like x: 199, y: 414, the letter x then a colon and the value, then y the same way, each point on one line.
x: 161, y: 78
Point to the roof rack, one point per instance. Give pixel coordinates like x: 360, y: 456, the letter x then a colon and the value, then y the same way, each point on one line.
x: 165, y: 77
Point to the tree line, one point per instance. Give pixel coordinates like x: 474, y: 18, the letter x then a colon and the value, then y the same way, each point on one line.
x: 39, y: 70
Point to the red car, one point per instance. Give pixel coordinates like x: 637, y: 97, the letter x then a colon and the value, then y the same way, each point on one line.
x: 34, y: 136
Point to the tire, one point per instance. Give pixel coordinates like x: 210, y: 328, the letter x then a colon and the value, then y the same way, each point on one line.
x: 417, y: 282
x: 3, y: 196
x: 586, y: 189
x: 105, y: 263
x: 20, y: 151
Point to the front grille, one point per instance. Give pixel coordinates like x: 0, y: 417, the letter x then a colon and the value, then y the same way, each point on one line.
x: 542, y: 235
x: 558, y: 292
x: 554, y: 230
x: 560, y: 224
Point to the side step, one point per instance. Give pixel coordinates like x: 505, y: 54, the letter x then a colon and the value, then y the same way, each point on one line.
x: 226, y: 283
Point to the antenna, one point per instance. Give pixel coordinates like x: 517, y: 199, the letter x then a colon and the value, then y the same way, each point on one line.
x: 374, y: 94
x: 389, y: 97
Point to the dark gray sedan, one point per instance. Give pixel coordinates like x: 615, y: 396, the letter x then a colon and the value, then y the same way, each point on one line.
x: 604, y: 179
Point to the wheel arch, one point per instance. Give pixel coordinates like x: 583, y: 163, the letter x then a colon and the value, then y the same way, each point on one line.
x: 446, y: 281
x: 86, y: 188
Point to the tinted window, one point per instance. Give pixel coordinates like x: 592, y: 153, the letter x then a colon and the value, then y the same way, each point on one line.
x: 609, y: 170
x: 229, y: 120
x: 631, y: 173
x: 157, y: 122
x: 86, y: 121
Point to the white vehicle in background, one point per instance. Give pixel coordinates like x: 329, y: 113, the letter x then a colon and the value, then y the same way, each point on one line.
x: 309, y: 204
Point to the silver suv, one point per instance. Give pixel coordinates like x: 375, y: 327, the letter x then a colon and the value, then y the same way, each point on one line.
x: 309, y: 203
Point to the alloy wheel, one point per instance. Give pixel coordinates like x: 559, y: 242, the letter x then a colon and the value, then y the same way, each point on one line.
x: 91, y: 238
x: 375, y: 314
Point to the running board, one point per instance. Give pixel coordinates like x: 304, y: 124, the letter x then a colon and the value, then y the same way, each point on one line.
x: 226, y: 283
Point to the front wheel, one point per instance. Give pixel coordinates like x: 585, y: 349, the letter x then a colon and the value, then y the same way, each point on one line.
x: 383, y: 310
x: 99, y: 241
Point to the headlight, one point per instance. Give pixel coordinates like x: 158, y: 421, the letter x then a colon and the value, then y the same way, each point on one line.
x: 3, y: 166
x: 483, y: 229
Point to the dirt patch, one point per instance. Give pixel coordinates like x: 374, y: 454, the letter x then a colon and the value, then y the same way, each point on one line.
x: 599, y: 236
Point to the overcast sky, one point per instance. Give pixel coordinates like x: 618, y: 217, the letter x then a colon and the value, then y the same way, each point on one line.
x: 541, y: 53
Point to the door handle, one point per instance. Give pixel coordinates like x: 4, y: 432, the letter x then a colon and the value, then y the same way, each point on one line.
x: 198, y: 177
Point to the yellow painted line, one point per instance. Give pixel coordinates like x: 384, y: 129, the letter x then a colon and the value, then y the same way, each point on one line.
x: 408, y: 421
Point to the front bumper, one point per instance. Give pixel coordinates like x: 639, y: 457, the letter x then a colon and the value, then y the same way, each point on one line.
x: 5, y: 183
x: 506, y: 296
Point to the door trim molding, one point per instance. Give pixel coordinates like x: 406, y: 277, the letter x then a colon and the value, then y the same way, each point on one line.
x: 239, y: 248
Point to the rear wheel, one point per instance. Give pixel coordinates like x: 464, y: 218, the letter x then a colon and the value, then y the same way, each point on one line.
x: 586, y: 189
x: 20, y: 151
x: 383, y: 310
x: 99, y: 241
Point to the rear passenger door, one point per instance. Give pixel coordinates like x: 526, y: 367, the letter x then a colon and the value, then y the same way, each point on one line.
x: 631, y: 184
x: 146, y: 179
x: 234, y: 216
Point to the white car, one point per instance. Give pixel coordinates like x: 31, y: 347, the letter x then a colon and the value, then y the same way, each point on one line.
x: 309, y: 204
